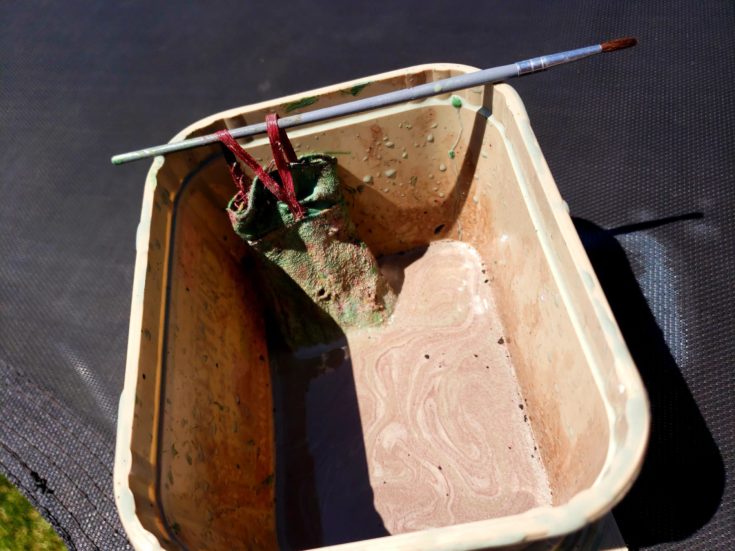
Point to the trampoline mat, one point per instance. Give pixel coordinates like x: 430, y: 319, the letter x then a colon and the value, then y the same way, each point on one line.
x: 640, y: 143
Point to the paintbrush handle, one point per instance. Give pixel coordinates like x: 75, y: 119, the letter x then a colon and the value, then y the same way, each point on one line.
x: 447, y: 85
x: 422, y: 91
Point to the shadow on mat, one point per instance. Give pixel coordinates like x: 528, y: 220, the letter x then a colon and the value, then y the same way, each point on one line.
x: 683, y: 476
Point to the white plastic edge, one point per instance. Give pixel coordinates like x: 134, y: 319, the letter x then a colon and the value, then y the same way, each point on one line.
x: 139, y: 537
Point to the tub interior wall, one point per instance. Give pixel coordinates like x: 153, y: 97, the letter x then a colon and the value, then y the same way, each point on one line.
x: 410, y: 177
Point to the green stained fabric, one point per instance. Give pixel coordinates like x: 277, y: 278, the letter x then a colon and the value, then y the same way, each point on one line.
x: 317, y: 189
x: 322, y: 278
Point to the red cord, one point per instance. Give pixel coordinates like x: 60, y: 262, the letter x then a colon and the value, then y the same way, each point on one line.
x: 242, y: 182
x: 283, y: 154
x: 226, y: 138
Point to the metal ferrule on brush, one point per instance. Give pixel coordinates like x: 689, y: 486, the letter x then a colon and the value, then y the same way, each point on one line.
x: 545, y: 61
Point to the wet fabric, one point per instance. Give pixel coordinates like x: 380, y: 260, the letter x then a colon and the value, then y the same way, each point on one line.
x: 321, y: 277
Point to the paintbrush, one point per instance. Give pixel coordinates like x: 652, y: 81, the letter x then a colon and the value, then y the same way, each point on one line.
x: 452, y: 84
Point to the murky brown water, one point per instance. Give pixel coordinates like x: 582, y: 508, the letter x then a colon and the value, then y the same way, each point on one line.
x: 413, y: 425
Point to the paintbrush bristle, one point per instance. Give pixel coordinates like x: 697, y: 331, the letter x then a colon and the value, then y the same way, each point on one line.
x: 618, y: 44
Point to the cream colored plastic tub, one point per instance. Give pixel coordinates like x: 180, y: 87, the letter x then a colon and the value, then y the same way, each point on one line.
x: 195, y: 446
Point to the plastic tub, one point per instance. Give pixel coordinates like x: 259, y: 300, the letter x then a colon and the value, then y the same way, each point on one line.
x: 197, y: 464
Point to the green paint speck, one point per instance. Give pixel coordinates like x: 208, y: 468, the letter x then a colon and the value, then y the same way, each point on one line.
x: 451, y: 153
x: 174, y: 452
x: 356, y: 89
x: 300, y: 104
x: 176, y: 528
x: 268, y: 480
x: 456, y: 102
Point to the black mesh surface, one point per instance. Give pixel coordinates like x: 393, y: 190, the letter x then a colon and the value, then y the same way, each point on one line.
x: 641, y: 144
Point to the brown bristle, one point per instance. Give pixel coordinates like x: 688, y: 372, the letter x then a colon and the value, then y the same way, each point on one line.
x: 618, y: 44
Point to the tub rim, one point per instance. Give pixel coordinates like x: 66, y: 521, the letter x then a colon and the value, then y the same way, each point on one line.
x: 623, y: 462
